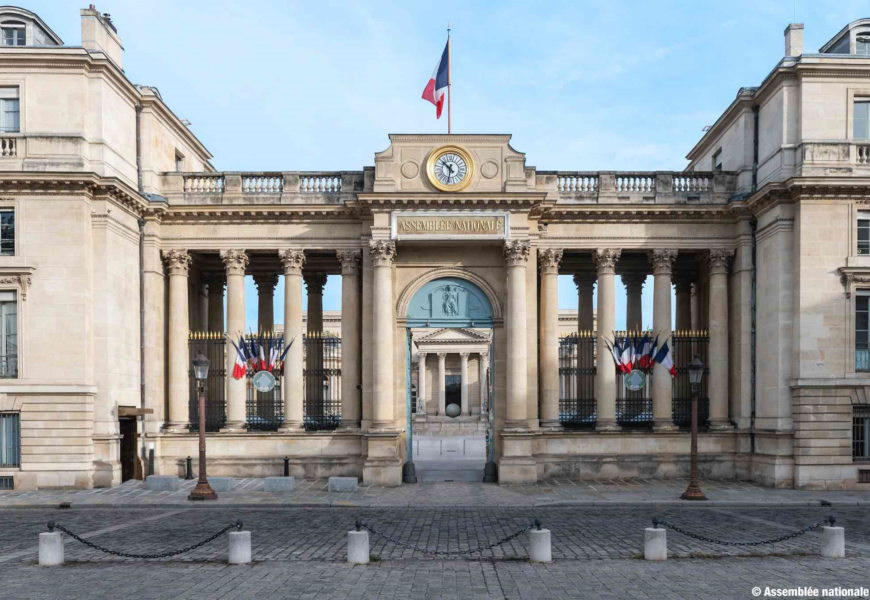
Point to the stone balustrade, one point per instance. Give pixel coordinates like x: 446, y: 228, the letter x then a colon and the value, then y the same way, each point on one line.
x: 8, y: 147
x: 263, y: 183
x: 636, y: 187
x: 204, y: 184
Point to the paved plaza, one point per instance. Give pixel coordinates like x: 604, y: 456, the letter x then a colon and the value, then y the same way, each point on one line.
x: 299, y: 551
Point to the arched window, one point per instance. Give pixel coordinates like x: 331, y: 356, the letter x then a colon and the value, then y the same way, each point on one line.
x: 14, y: 33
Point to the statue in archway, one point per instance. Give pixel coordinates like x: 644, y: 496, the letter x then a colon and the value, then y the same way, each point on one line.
x: 450, y: 297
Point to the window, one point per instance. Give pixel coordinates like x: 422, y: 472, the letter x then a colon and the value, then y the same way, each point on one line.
x: 862, y: 44
x: 179, y: 163
x: 8, y: 335
x: 861, y: 432
x: 863, y: 233
x: 862, y: 314
x: 861, y: 120
x: 10, y: 440
x: 9, y: 110
x: 7, y: 233
x: 717, y: 160
x: 13, y: 35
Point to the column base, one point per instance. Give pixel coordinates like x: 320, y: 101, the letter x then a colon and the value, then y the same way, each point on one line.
x: 348, y: 426
x: 607, y: 426
x: 720, y: 425
x: 234, y: 427
x: 664, y: 426
x: 551, y: 424
x: 384, y: 464
x: 291, y: 427
x: 177, y: 427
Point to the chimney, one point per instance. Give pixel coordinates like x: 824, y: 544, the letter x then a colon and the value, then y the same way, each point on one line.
x: 99, y: 35
x: 794, y: 39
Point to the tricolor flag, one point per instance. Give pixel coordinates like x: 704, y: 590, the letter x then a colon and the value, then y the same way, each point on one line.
x: 239, y: 369
x: 286, y: 350
x: 617, y: 353
x: 627, y: 349
x: 665, y: 359
x: 437, y: 86
x: 262, y: 353
x: 273, y: 354
x: 643, y: 352
x: 253, y: 353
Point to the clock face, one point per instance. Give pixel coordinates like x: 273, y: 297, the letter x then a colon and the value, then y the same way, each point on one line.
x: 450, y: 169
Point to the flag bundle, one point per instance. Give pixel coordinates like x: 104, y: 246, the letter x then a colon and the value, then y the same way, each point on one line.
x: 638, y: 350
x: 252, y: 353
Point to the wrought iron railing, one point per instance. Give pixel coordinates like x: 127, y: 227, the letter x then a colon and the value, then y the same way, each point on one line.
x: 322, y: 387
x: 213, y: 345
x: 577, y: 409
x: 264, y: 411
x: 685, y: 345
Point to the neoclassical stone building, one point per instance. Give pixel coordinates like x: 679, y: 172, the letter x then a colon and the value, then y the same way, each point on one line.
x: 120, y: 245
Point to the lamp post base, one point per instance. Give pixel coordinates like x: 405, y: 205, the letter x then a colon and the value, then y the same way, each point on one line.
x: 693, y: 492
x: 202, y: 491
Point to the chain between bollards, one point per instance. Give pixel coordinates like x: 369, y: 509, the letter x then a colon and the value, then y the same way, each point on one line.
x: 661, y: 523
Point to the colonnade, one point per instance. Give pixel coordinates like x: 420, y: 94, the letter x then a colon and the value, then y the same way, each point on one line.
x: 422, y: 397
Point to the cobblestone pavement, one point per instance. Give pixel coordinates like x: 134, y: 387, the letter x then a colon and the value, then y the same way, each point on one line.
x: 549, y: 492
x: 299, y: 552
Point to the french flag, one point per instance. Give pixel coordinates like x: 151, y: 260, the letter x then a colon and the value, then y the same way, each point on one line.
x: 239, y: 368
x: 665, y: 359
x: 439, y: 81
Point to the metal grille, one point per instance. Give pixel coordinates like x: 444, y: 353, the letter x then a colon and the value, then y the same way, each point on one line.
x: 7, y: 483
x: 265, y: 410
x: 685, y: 345
x: 633, y: 408
x: 577, y: 408
x: 861, y: 432
x: 213, y: 345
x: 322, y: 387
x: 10, y: 440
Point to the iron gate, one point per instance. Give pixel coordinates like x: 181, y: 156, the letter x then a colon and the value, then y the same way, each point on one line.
x: 322, y: 389
x: 213, y: 345
x: 577, y: 409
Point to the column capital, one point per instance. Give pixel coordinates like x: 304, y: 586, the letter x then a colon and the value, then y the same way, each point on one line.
x: 549, y: 259
x: 662, y: 260
x: 214, y: 279
x: 717, y: 260
x: 350, y: 261
x: 314, y: 281
x: 442, y: 356
x: 266, y: 282
x: 516, y: 252
x: 177, y: 262
x: 585, y: 281
x: 464, y: 355
x: 422, y: 355
x: 293, y: 261
x: 683, y: 282
x: 382, y: 253
x: 633, y: 280
x: 606, y: 259
x: 235, y: 261
x: 484, y: 356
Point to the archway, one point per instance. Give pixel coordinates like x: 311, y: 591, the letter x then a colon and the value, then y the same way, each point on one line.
x: 449, y: 324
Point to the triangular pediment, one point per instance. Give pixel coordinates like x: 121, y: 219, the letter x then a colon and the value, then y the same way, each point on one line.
x: 454, y: 335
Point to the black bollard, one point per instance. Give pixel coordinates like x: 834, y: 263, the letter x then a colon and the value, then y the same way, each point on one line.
x: 286, y: 466
x: 189, y: 468
x: 150, y: 461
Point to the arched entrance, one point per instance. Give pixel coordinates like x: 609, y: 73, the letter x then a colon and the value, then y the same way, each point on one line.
x: 448, y: 372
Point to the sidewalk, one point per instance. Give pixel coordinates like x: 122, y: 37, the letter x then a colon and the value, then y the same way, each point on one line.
x: 552, y: 492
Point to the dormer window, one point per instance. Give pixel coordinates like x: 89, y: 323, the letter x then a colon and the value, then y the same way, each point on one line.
x: 862, y: 44
x: 14, y: 33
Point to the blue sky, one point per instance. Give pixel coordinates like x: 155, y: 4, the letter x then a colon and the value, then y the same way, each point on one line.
x: 617, y: 85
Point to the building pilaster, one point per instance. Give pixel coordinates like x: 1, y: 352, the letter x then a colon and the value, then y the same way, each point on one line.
x: 383, y: 253
x: 350, y: 338
x: 548, y: 262
x: 717, y: 261
x: 178, y: 267
x: 517, y: 257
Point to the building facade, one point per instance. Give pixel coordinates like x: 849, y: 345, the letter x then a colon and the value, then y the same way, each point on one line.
x: 120, y: 246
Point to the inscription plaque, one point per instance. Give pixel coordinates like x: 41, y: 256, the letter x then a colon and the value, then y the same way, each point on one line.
x: 441, y: 226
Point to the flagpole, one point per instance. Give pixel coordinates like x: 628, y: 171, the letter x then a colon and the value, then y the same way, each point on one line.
x: 449, y: 105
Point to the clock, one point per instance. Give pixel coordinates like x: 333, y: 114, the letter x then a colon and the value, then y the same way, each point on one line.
x: 450, y: 169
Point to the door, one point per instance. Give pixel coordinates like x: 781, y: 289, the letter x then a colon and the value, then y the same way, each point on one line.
x: 128, y: 447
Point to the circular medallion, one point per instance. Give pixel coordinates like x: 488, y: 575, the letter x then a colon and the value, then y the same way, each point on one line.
x: 489, y: 169
x: 264, y: 381
x: 450, y: 168
x: 634, y: 381
x: 410, y: 170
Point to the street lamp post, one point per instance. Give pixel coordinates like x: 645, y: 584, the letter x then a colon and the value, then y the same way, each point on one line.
x: 203, y: 490
x: 696, y: 373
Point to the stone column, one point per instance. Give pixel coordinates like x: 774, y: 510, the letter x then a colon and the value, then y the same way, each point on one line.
x: 717, y: 260
x: 548, y: 348
x: 463, y: 393
x: 350, y: 338
x: 383, y: 328
x: 662, y: 260
x: 293, y: 261
x: 605, y: 379
x: 482, y: 365
x: 216, y: 283
x: 517, y: 257
x: 585, y: 283
x: 683, y: 287
x: 421, y: 384
x: 442, y: 384
x: 266, y: 283
x: 202, y: 325
x: 314, y: 283
x: 235, y: 261
x: 633, y: 283
x: 178, y: 266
